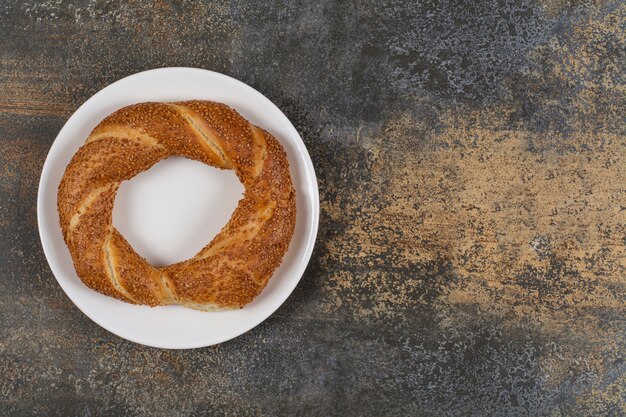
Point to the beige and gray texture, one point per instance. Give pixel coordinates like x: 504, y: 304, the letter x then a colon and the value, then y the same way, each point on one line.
x: 471, y: 160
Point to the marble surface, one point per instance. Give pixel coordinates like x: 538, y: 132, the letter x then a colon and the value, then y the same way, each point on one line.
x: 471, y: 165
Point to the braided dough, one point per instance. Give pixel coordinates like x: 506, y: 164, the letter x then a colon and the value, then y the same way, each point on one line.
x: 236, y: 265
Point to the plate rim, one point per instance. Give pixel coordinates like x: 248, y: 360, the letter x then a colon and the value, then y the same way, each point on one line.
x: 47, y: 243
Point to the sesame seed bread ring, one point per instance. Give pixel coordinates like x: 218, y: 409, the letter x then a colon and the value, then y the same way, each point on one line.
x: 236, y: 265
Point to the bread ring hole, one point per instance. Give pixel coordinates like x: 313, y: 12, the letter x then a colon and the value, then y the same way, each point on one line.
x: 171, y: 211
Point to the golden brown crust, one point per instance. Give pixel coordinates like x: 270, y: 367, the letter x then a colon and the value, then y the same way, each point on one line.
x: 236, y: 265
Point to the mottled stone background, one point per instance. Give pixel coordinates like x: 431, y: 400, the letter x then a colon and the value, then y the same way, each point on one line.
x: 471, y: 162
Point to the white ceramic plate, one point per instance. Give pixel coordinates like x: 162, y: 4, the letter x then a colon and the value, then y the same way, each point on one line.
x: 169, y: 212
